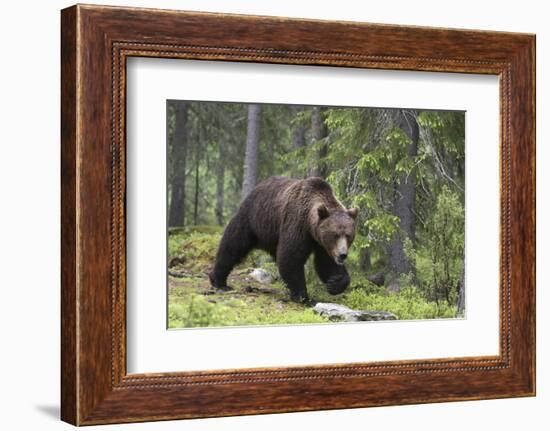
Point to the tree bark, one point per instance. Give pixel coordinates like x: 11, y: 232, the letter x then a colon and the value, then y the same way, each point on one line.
x: 461, y: 297
x: 252, y: 146
x: 176, y: 213
x: 271, y: 160
x: 364, y: 259
x: 220, y: 181
x: 318, y: 132
x: 197, y: 172
x: 404, y: 204
x: 298, y: 130
x: 298, y: 139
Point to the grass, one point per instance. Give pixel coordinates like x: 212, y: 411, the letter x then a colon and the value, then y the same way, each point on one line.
x: 192, y: 303
x: 406, y: 305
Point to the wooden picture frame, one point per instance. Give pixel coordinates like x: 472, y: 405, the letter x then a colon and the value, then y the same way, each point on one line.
x: 95, y: 43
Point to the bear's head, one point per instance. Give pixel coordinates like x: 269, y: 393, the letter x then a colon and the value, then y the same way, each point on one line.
x: 336, y: 231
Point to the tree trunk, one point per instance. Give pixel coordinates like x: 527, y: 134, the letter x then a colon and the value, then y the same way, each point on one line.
x: 298, y: 139
x: 176, y: 212
x: 377, y: 278
x: 318, y: 132
x: 197, y: 179
x: 271, y: 160
x: 364, y: 259
x: 404, y: 204
x: 461, y: 297
x: 220, y: 181
x: 196, y: 202
x: 298, y: 130
x: 252, y: 146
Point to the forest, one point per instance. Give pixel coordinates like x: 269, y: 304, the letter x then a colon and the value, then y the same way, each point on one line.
x: 404, y: 169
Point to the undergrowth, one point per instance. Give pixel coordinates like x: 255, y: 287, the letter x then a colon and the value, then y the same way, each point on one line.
x: 192, y: 303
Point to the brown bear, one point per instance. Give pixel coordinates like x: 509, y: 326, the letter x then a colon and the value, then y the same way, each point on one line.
x: 290, y: 219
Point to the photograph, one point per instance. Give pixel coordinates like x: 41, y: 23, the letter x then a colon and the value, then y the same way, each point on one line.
x: 282, y: 214
x: 332, y: 210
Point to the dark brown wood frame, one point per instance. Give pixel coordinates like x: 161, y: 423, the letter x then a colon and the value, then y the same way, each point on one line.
x: 95, y: 43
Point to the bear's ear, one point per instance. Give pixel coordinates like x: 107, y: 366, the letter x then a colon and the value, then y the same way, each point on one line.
x: 323, y: 212
x: 353, y: 212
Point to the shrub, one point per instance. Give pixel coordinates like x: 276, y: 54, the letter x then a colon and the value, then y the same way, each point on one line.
x: 408, y: 304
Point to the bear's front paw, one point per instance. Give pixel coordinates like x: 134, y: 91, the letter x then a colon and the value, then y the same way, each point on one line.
x: 338, y: 283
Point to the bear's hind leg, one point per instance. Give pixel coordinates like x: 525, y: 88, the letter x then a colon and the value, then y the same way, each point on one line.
x: 236, y: 243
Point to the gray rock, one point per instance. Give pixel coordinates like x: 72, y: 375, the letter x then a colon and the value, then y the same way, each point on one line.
x: 339, y: 312
x: 261, y: 276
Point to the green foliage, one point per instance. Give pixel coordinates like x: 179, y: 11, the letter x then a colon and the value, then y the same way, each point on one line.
x: 381, y: 227
x: 441, y: 263
x: 408, y: 304
x: 362, y: 283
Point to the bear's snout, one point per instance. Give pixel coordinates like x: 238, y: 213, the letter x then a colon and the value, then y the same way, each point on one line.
x: 340, y: 252
x: 341, y: 258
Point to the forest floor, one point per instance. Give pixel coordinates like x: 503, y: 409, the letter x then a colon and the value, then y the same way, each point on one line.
x: 193, y: 303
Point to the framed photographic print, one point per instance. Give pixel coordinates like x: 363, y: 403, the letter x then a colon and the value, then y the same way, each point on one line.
x: 265, y: 215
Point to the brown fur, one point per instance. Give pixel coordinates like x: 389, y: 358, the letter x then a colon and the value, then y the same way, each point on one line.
x: 290, y: 219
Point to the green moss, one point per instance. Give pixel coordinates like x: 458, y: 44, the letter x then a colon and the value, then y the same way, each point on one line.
x: 188, y: 308
x: 196, y: 249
